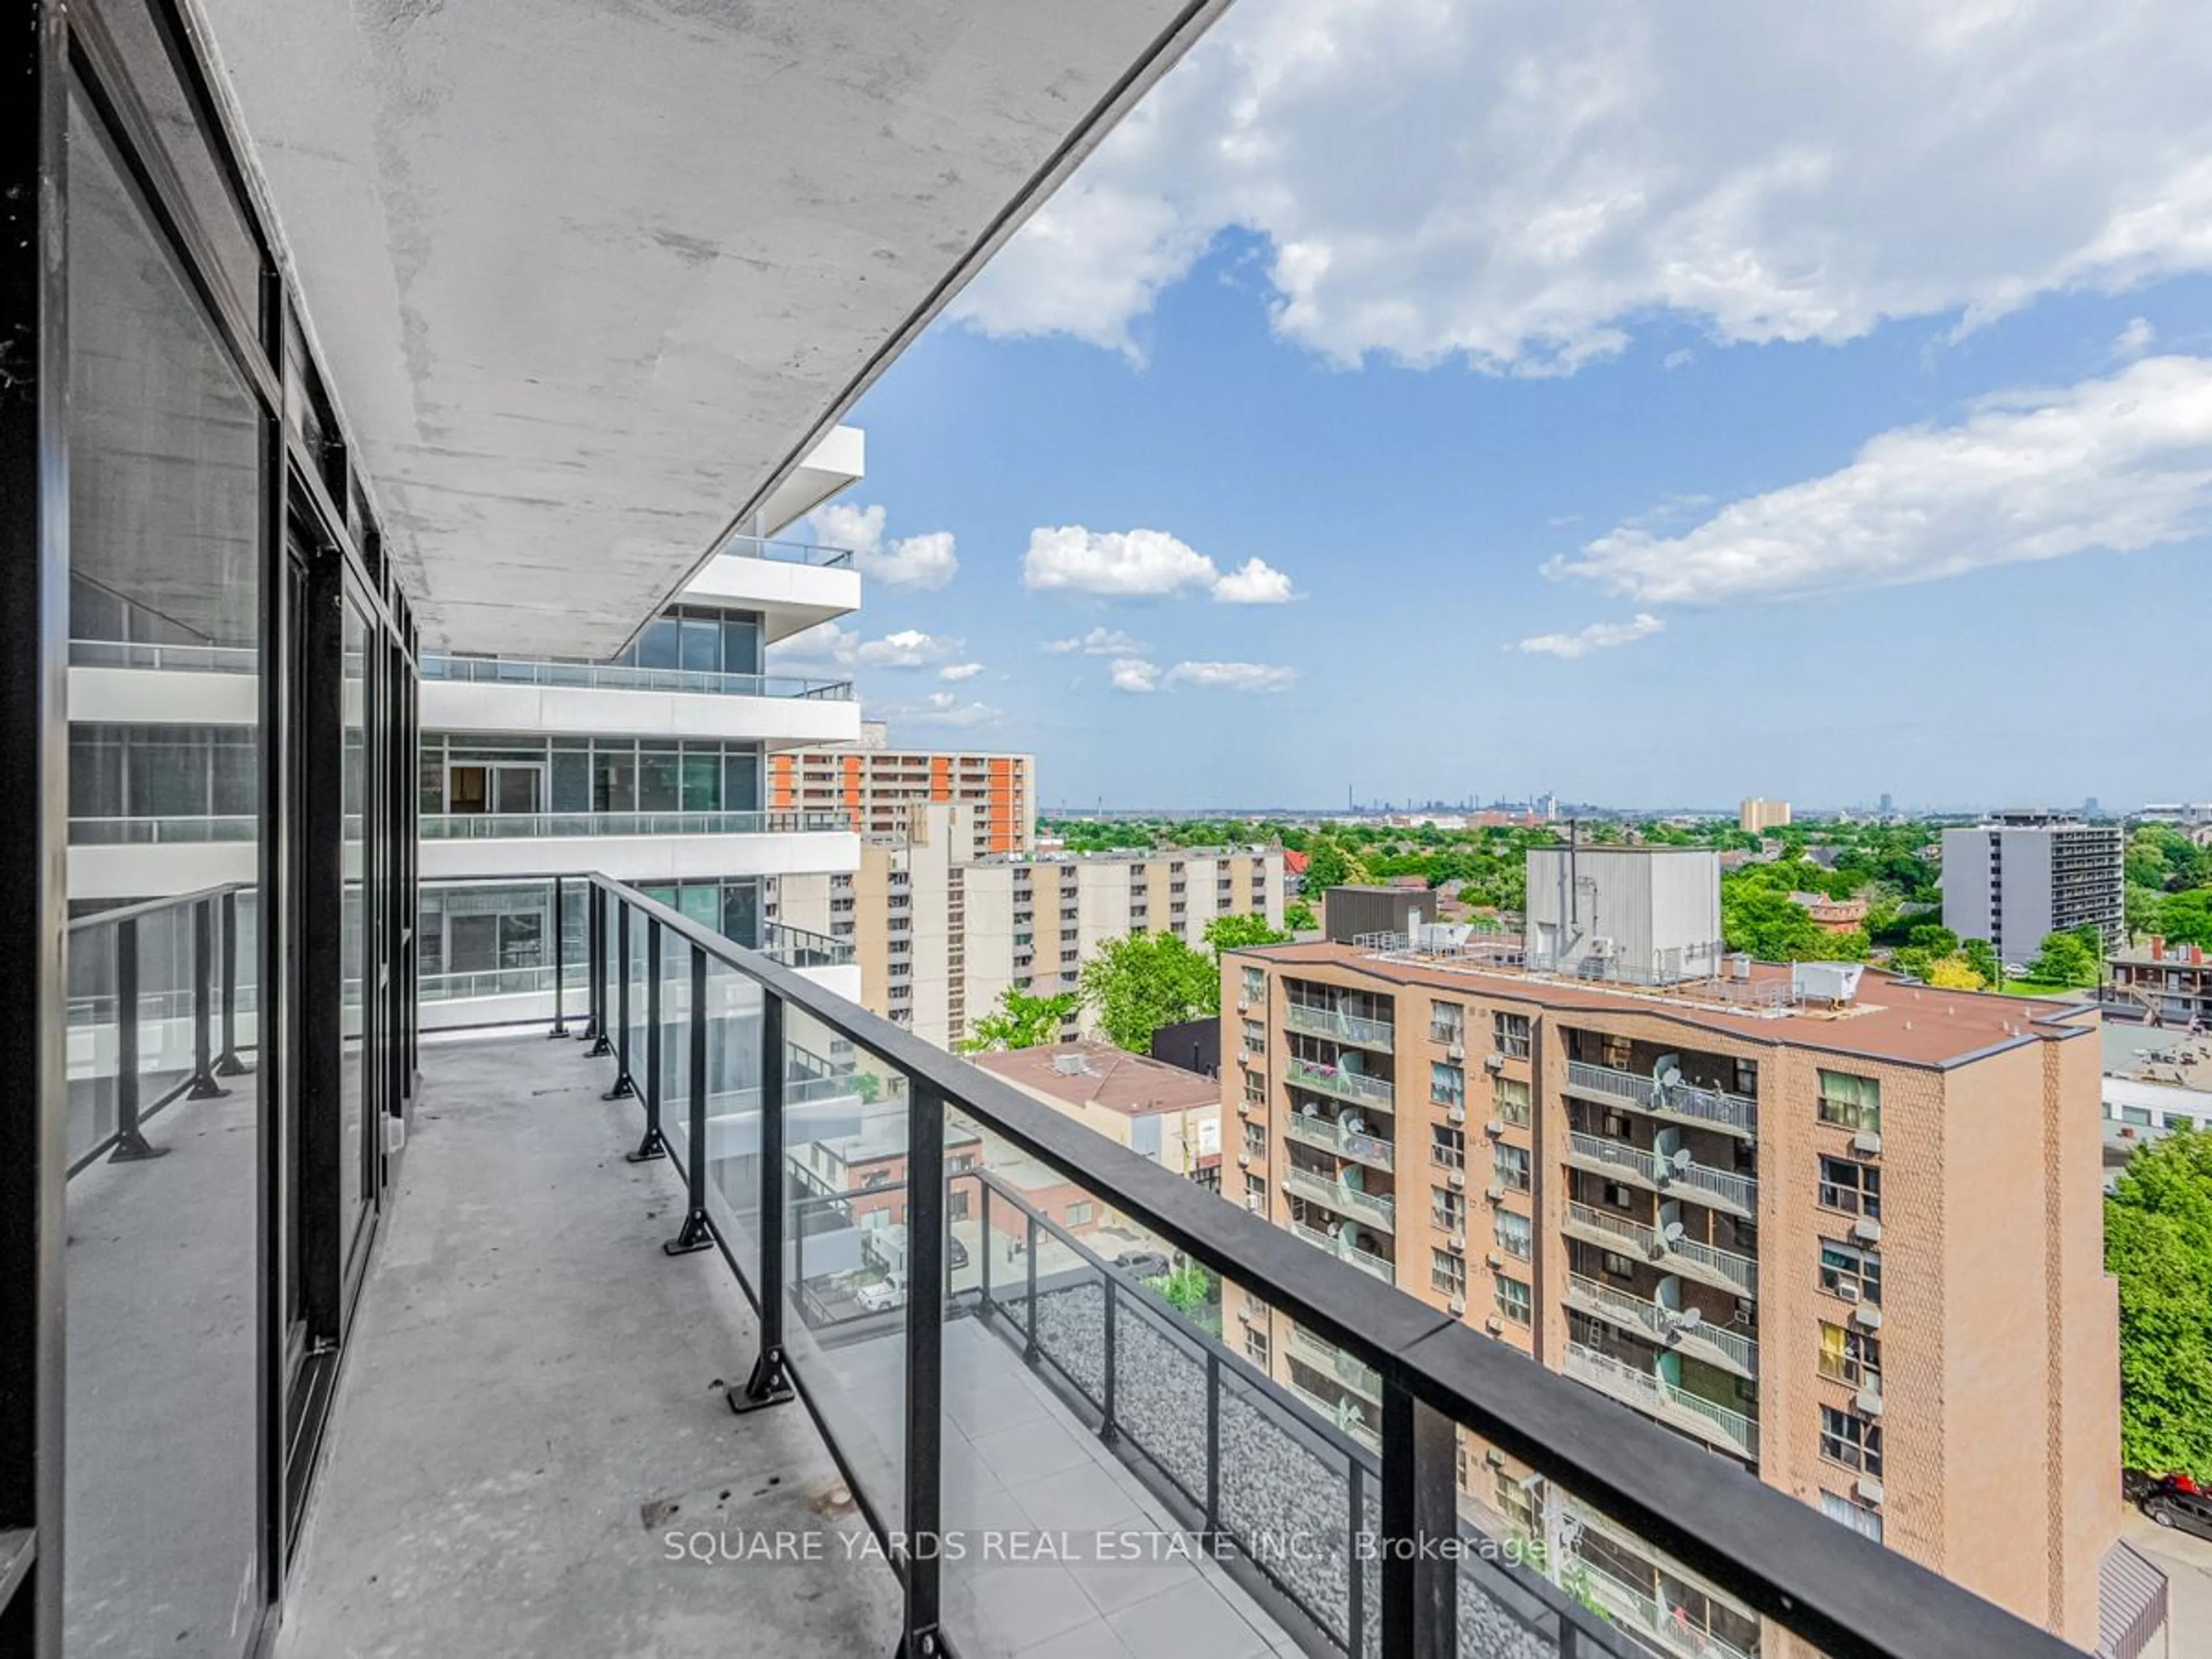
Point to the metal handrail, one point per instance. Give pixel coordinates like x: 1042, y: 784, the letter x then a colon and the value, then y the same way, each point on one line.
x: 1343, y: 1026
x: 1782, y: 1559
x: 505, y: 826
x: 1336, y: 1080
x: 760, y: 547
x: 625, y: 676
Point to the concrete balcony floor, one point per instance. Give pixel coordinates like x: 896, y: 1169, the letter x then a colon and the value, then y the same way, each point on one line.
x: 534, y: 1400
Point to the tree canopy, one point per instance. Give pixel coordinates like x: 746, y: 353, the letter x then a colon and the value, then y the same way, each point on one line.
x: 2065, y: 959
x: 1141, y: 981
x: 2158, y: 1243
x: 1019, y: 1020
x: 1235, y: 933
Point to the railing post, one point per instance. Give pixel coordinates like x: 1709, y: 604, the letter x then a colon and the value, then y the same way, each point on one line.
x: 560, y: 966
x: 652, y: 1143
x: 1029, y: 1308
x: 767, y: 1385
x: 1106, y: 1430
x: 1356, y: 1566
x: 131, y: 1143
x: 924, y: 1355
x: 1420, y: 1528
x: 204, y: 1085
x: 227, y: 1064
x: 1214, y: 1443
x: 698, y: 1232
x: 624, y: 1088
x: 595, y: 921
x: 653, y: 1035
x: 983, y: 1243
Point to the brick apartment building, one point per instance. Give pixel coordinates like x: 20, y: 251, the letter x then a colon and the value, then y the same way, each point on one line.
x: 1841, y: 1230
x: 879, y: 787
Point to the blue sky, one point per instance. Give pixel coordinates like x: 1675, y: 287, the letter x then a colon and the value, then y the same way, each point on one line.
x: 1851, y: 441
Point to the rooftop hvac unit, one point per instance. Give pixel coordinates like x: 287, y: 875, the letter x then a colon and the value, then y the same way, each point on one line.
x: 1739, y: 965
x: 1603, y: 949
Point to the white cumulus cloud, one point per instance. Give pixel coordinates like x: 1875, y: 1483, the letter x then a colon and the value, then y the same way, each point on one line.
x: 2138, y: 338
x: 909, y: 648
x: 826, y: 645
x: 960, y: 671
x: 1598, y: 636
x: 1098, y: 642
x: 2115, y: 464
x: 1523, y: 186
x: 1137, y: 564
x: 923, y: 562
x: 941, y: 708
x: 1133, y: 674
x: 1233, y: 676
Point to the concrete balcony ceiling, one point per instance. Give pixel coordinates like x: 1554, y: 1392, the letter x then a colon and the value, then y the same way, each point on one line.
x: 593, y: 280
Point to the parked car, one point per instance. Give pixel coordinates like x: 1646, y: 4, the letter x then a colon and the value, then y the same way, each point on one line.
x: 2184, y: 1511
x: 883, y: 1295
x: 955, y: 1252
x: 1144, y: 1264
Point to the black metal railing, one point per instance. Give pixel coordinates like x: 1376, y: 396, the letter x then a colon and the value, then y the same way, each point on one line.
x: 832, y: 1209
x: 155, y: 1005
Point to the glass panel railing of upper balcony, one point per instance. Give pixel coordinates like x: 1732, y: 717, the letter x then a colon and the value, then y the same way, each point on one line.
x: 1329, y: 1020
x: 164, y: 830
x: 187, y: 658
x: 756, y: 547
x: 802, y: 947
x: 623, y: 676
x: 503, y: 826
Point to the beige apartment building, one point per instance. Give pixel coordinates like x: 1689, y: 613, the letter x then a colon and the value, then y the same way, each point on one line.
x: 1841, y: 1230
x: 1756, y: 817
x: 880, y: 788
x: 939, y: 931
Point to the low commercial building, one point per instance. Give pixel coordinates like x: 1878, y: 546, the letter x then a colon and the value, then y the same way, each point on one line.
x: 1159, y: 1111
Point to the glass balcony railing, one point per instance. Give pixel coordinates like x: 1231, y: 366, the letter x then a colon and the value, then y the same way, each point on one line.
x: 1343, y: 1027
x: 802, y: 947
x: 163, y: 831
x: 520, y: 826
x: 1339, y: 1082
x: 756, y: 547
x: 166, y: 659
x: 1331, y: 1135
x: 618, y: 677
x: 1332, y: 1361
x: 1377, y: 1209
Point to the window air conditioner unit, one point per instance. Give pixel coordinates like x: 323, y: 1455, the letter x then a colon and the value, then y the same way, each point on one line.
x: 1243, y: 1109
x: 1866, y: 1231
x: 1494, y: 1192
x: 1243, y: 1005
x: 1494, y: 1458
x: 1243, y: 1056
x: 1252, y: 1203
x: 1494, y: 1063
x: 1243, y: 1160
x: 1456, y: 1243
x: 1867, y: 1142
x: 1458, y: 1306
x: 1495, y: 1126
x: 1458, y: 1180
x: 1869, y: 1490
x: 1868, y: 1403
x: 1454, y: 1114
x: 1847, y: 1291
x: 1868, y: 1317
x: 1494, y: 1325
x: 1456, y: 1051
x: 1243, y: 1315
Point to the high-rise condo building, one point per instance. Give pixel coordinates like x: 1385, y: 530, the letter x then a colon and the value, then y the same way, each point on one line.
x: 880, y: 786
x: 2025, y: 875
x: 1756, y: 817
x: 939, y: 932
x: 1840, y: 1229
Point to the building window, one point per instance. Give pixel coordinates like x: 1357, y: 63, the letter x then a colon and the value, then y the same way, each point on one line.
x: 1850, y: 1513
x: 1255, y: 1089
x: 1256, y: 984
x: 1255, y: 1345
x: 1850, y: 1357
x: 1447, y: 1022
x: 1256, y: 1140
x: 1255, y: 1189
x: 1448, y: 1273
x: 1448, y: 1209
x: 1447, y: 1147
x: 1256, y: 1036
x: 1851, y: 1102
x: 1851, y: 1440
x: 1517, y: 1503
x: 1618, y: 1052
x: 1509, y: 1100
x: 1848, y: 1185
x: 1511, y: 1233
x: 1447, y: 1085
x: 1078, y: 1214
x: 1511, y: 1165
x: 1850, y: 1272
x: 1511, y: 1032
x: 1513, y: 1299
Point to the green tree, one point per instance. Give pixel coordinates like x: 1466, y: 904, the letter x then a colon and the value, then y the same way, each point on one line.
x: 1298, y: 916
x: 1952, y: 972
x: 1326, y: 866
x: 1235, y: 933
x: 1981, y: 955
x: 1763, y: 921
x: 1142, y: 981
x: 2186, y: 918
x: 1021, y: 1021
x: 2158, y: 1243
x: 2064, y: 960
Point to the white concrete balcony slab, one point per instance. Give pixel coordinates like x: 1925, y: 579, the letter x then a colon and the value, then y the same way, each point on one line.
x: 778, y: 711
x: 638, y: 846
x: 792, y: 585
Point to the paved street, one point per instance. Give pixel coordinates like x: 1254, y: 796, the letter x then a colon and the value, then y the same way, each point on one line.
x: 2187, y: 1563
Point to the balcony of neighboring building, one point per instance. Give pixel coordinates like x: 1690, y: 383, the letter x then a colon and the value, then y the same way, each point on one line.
x: 1687, y: 1087
x: 1324, y: 1066
x: 1613, y: 1216
x: 1663, y: 1384
x: 1694, y: 1165
x: 1353, y: 1017
x: 1348, y: 1189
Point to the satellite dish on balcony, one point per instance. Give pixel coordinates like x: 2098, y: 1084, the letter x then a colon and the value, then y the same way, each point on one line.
x: 1672, y: 1232
x: 1352, y: 1123
x: 1306, y: 1108
x: 1681, y: 1160
x: 1670, y: 1077
x: 1690, y: 1319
